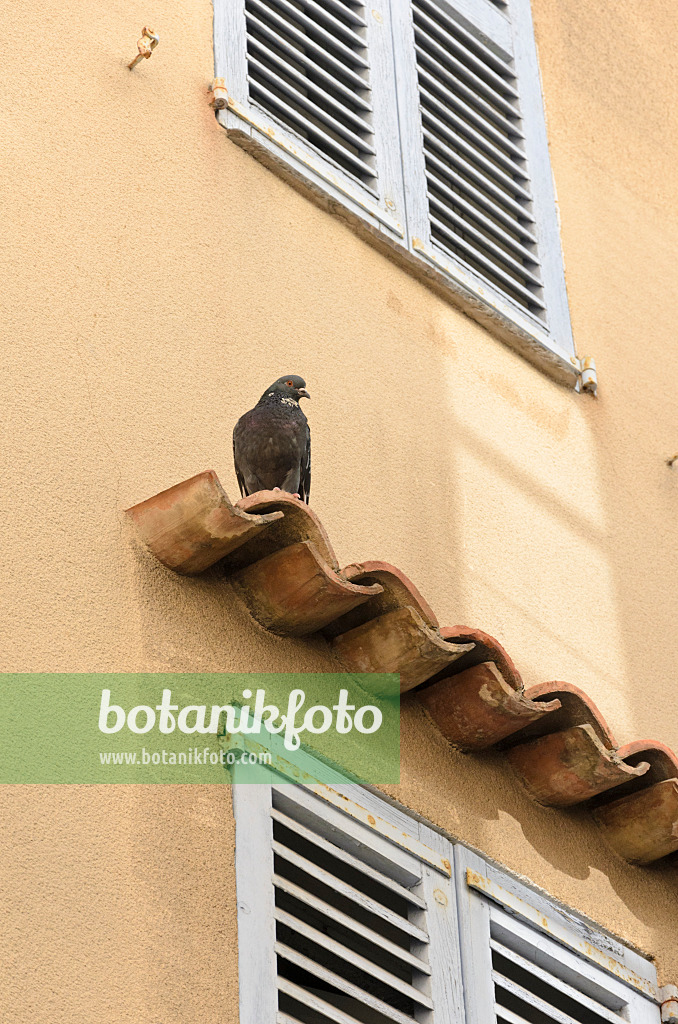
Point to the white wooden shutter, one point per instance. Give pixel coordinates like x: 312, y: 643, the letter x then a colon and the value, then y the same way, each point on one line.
x: 310, y: 84
x: 479, y: 192
x: 347, y: 911
x: 525, y: 963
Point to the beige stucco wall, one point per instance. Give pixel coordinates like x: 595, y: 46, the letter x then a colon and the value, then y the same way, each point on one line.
x: 154, y: 279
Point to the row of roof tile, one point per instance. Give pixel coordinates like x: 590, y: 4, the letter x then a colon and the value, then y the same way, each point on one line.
x: 281, y: 563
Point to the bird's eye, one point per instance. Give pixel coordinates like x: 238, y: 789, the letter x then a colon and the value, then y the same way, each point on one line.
x: 290, y: 383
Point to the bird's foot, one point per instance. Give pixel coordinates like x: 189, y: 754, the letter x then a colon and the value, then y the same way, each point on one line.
x: 294, y: 495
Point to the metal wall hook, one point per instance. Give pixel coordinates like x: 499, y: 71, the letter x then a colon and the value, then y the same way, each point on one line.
x: 146, y: 45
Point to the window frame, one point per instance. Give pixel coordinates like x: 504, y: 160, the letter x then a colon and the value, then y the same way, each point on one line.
x: 392, y: 221
x: 459, y: 906
x: 395, y: 219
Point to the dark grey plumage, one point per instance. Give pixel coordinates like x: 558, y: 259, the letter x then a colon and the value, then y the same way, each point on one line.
x: 272, y: 442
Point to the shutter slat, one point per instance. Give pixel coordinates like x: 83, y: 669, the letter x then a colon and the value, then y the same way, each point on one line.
x: 303, y: 101
x: 526, y: 940
x: 456, y: 28
x: 314, y: 1002
x: 349, y: 922
x: 348, y: 891
x: 307, y: 62
x: 341, y: 109
x: 487, y: 160
x: 338, y: 151
x: 393, y: 852
x: 454, y: 72
x: 322, y: 55
x: 506, y: 124
x: 473, y: 256
x: 474, y: 144
x: 444, y: 174
x: 504, y: 237
x: 351, y: 957
x: 307, y: 69
x: 509, y: 1016
x: 550, y: 979
x: 483, y: 180
x: 470, y: 67
x: 479, y: 131
x: 342, y: 984
x: 346, y: 12
x: 324, y: 12
x: 531, y: 999
x: 347, y: 858
x: 483, y: 240
x: 329, y: 39
x: 479, y: 68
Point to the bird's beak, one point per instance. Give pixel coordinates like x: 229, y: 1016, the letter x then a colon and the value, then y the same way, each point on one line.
x: 303, y: 393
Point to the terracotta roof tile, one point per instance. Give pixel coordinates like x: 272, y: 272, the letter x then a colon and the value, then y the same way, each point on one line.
x: 281, y: 563
x: 192, y: 525
x: 570, y: 766
x: 294, y: 591
x: 479, y: 707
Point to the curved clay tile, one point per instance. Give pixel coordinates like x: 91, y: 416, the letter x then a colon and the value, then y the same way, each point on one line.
x: 397, y: 592
x: 295, y: 522
x: 570, y: 766
x: 663, y: 761
x: 643, y: 827
x: 295, y: 592
x: 477, y: 707
x: 642, y: 822
x: 576, y: 708
x: 192, y: 525
x: 486, y: 649
x: 397, y: 631
x: 398, y: 641
x: 280, y: 560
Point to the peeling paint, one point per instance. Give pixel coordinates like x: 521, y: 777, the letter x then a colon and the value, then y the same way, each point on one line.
x: 517, y: 906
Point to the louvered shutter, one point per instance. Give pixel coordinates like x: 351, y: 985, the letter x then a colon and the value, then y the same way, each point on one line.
x: 525, y: 964
x: 347, y: 911
x: 479, y: 194
x: 310, y: 86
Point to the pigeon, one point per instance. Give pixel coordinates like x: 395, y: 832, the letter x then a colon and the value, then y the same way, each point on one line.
x: 272, y: 442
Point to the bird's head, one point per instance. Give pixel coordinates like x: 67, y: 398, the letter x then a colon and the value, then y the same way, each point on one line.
x: 289, y: 386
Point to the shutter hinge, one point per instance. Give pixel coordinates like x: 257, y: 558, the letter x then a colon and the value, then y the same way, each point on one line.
x: 588, y: 378
x: 669, y: 1003
x: 218, y: 94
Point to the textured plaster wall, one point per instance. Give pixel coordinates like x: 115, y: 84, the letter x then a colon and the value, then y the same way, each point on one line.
x: 154, y: 278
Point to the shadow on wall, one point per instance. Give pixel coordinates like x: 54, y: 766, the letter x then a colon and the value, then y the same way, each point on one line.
x: 478, y: 799
x: 634, y: 430
x: 197, y: 624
